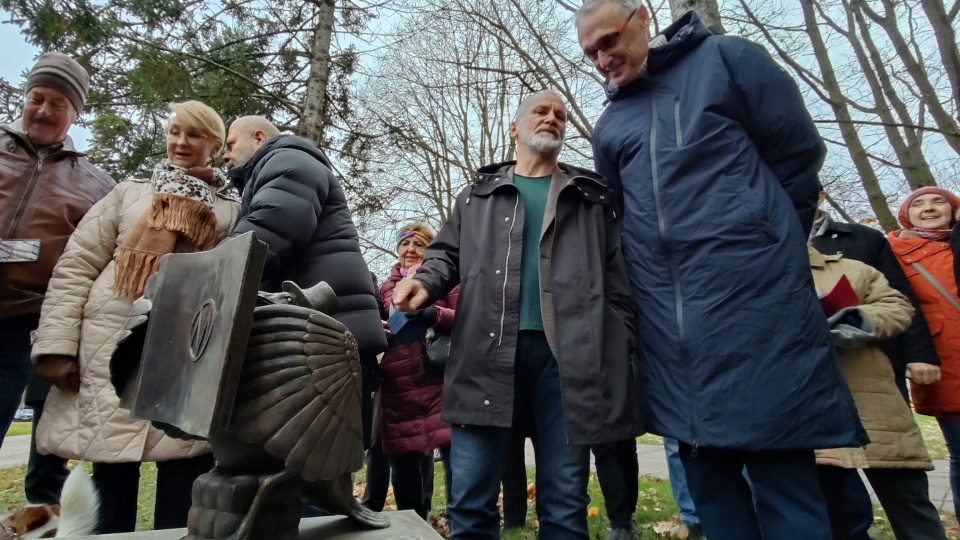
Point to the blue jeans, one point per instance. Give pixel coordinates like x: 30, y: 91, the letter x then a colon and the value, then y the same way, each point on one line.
x: 477, y: 457
x: 950, y: 426
x: 15, y: 366
x: 678, y: 481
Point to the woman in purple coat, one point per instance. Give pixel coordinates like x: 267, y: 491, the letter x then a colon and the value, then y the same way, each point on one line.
x: 410, y: 399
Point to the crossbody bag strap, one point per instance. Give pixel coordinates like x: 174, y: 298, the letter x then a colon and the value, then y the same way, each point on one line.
x: 937, y: 285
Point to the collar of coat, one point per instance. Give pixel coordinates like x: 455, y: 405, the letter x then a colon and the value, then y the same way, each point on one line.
x: 15, y: 130
x: 819, y: 260
x: 492, y: 177
x: 666, y: 49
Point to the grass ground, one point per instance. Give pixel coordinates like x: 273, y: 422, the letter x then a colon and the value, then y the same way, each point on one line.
x: 19, y: 428
x: 655, y: 515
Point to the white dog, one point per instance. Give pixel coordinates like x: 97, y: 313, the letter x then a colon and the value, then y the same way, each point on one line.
x: 76, y: 515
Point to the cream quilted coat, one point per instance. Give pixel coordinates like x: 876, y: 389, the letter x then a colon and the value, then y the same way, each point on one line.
x: 895, y: 439
x: 82, y: 316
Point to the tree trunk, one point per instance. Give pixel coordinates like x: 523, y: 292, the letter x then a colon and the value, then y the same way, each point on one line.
x: 707, y: 10
x: 858, y: 153
x: 908, y: 149
x: 949, y: 126
x: 947, y: 44
x: 315, y: 102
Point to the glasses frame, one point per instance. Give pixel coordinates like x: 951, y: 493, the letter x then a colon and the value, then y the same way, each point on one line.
x: 609, y: 41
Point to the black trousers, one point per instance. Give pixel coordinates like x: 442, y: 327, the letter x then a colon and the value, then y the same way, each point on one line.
x: 45, y: 473
x: 412, y: 476
x: 514, y: 481
x: 118, y: 485
x: 378, y: 478
x: 903, y: 493
x: 618, y: 471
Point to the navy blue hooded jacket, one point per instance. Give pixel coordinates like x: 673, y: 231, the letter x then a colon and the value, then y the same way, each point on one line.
x: 294, y: 203
x: 717, y: 159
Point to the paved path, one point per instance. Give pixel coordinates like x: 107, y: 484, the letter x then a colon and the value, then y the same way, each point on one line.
x: 652, y: 461
x: 14, y: 451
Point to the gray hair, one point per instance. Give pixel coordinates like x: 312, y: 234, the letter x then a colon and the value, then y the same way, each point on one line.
x: 528, y: 102
x: 625, y: 6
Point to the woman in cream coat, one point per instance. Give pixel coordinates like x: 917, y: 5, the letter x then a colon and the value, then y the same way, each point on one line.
x: 896, y: 460
x: 104, y: 268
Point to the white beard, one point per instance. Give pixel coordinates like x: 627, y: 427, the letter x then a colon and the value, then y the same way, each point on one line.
x: 544, y: 144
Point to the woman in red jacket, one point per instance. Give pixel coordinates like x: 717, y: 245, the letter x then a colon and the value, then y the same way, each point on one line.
x: 923, y: 249
x: 410, y: 399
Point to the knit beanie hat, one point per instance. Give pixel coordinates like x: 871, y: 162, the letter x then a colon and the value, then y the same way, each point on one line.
x: 904, y: 215
x: 60, y: 72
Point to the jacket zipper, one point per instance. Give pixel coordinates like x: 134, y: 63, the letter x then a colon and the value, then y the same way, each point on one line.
x: 676, y: 120
x: 506, y: 270
x: 21, y: 207
x: 662, y: 228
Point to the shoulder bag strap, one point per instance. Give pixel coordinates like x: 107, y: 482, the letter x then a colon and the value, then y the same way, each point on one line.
x: 937, y: 285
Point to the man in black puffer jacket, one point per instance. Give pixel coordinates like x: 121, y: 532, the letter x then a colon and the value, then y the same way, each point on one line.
x: 293, y: 202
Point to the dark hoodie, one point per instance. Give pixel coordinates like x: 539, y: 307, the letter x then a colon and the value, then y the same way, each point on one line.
x: 293, y: 202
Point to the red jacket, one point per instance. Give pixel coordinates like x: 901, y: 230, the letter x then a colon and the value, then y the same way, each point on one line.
x: 410, y: 400
x: 944, y: 319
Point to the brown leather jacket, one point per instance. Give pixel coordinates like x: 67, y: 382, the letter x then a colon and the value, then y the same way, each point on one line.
x: 40, y: 199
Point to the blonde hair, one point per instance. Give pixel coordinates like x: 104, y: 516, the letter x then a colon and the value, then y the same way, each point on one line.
x: 198, y: 115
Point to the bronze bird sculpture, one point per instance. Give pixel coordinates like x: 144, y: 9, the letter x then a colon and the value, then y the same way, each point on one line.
x: 284, y: 418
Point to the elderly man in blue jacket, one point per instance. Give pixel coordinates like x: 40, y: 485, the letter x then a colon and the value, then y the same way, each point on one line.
x: 717, y: 159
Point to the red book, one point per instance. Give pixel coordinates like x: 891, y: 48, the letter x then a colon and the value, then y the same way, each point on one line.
x: 842, y: 296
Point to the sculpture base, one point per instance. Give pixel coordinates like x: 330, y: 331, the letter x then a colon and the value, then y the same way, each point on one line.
x: 405, y: 524
x: 229, y: 505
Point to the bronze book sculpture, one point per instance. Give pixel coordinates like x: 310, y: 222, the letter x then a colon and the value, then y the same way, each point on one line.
x: 270, y: 380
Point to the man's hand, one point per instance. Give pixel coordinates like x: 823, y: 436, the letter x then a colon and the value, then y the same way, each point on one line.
x: 409, y: 295
x: 921, y: 373
x: 61, y: 370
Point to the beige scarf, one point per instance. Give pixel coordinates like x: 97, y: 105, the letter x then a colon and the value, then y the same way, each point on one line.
x: 182, y: 208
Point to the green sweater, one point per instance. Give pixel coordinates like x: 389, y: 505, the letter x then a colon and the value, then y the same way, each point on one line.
x: 533, y: 193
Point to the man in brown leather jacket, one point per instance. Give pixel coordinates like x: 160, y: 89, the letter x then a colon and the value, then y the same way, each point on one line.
x: 46, y: 187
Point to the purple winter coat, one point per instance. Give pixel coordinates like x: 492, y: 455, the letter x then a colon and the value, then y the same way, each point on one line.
x: 410, y: 400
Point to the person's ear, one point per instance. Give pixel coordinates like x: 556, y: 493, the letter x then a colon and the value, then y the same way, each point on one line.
x: 643, y: 15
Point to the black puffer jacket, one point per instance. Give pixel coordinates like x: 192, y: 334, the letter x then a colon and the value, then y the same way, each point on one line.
x: 294, y: 203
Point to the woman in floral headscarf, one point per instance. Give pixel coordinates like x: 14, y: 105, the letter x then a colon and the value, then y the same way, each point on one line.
x: 181, y: 208
x: 411, y: 427
x: 929, y: 218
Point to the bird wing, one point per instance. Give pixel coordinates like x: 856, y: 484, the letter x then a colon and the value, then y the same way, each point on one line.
x: 299, y: 393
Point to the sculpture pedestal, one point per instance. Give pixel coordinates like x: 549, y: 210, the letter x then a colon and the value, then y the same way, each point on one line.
x: 405, y: 524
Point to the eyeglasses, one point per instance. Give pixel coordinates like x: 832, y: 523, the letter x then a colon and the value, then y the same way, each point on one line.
x: 608, y: 42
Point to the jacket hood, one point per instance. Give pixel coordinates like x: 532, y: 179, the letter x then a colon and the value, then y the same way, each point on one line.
x: 241, y: 175
x: 666, y: 49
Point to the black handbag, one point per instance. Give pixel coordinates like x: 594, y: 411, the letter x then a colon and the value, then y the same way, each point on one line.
x: 434, y: 353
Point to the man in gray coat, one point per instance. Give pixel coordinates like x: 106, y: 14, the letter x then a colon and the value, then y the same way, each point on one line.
x: 545, y: 318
